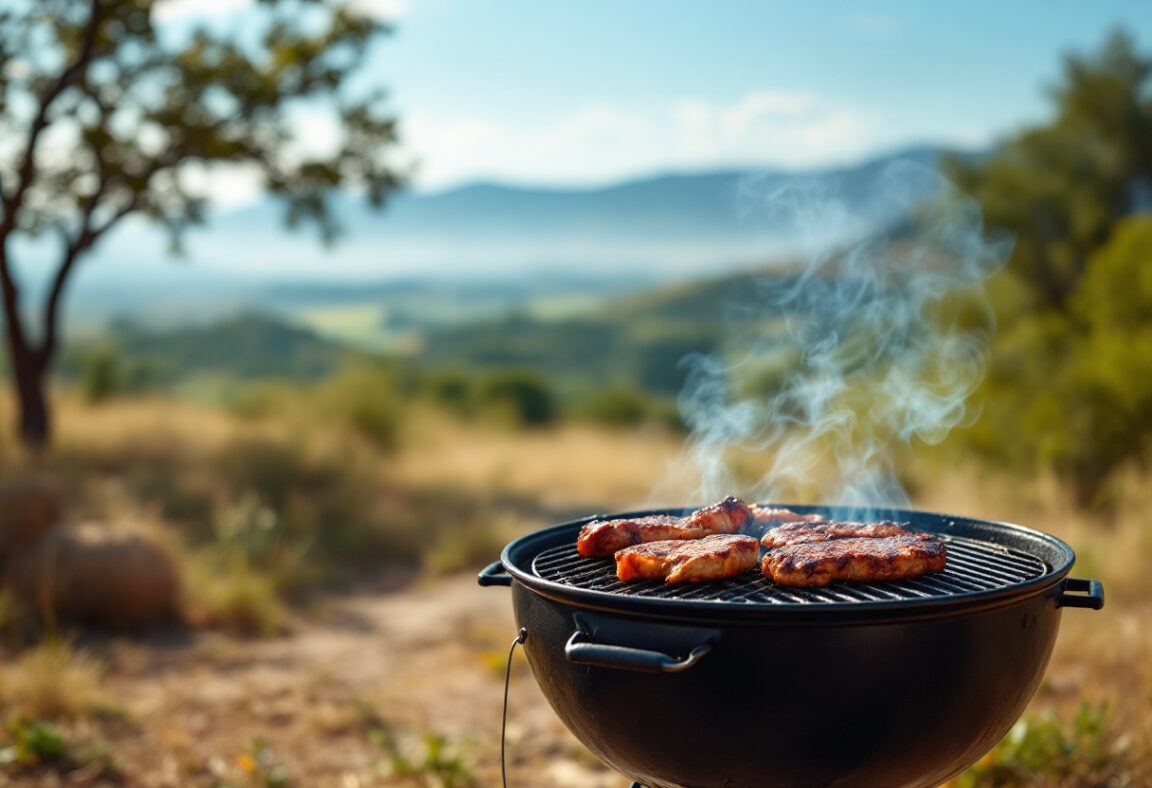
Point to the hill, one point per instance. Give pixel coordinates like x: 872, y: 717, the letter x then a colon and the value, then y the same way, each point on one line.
x: 241, y: 347
x: 661, y: 228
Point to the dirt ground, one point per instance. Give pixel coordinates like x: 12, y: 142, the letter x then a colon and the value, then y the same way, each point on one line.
x: 309, y: 709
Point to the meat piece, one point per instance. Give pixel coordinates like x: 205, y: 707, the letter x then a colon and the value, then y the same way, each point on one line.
x: 604, y: 537
x: 885, y: 558
x: 688, y: 561
x: 803, y: 533
x: 764, y: 517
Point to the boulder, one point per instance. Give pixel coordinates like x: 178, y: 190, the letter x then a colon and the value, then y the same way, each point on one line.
x: 98, y: 575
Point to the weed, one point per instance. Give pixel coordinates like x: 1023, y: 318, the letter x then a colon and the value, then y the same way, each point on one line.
x: 1043, y: 750
x: 54, y: 680
x: 437, y: 764
x: 33, y: 742
x: 227, y: 592
x: 259, y: 763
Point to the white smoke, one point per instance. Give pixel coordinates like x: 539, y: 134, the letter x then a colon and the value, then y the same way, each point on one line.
x: 873, y: 340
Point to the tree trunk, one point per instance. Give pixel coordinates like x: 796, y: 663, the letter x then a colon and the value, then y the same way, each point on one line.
x: 29, y: 377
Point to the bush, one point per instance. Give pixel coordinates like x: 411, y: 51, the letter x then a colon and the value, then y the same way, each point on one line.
x: 364, y: 398
x: 616, y: 407
x: 1074, y: 393
x: 523, y: 397
x: 1044, y: 751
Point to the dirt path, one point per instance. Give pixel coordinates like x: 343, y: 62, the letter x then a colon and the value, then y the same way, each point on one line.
x: 314, y: 706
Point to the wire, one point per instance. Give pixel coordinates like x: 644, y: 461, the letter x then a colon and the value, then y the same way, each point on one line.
x: 521, y: 636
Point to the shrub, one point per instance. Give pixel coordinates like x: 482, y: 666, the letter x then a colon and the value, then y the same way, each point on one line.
x: 1041, y: 750
x: 616, y: 407
x: 365, y: 399
x: 523, y: 397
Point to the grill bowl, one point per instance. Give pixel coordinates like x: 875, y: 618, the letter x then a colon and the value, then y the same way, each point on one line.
x: 743, y: 684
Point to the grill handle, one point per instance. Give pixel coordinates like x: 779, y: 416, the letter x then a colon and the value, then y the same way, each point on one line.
x: 600, y: 655
x: 1078, y: 592
x: 494, y: 575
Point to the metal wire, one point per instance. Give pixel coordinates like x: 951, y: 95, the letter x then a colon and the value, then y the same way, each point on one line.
x: 521, y: 636
x: 973, y: 566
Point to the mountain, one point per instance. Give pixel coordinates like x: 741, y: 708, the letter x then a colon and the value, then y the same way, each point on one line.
x: 666, y: 226
x: 675, y: 225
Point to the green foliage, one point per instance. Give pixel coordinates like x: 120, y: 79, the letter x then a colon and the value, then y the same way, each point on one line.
x: 616, y: 407
x: 438, y: 763
x: 1044, y: 751
x: 144, y: 111
x: 1061, y: 187
x: 34, y: 742
x: 1070, y: 387
x: 364, y: 398
x: 522, y: 397
x: 107, y: 374
x: 1075, y: 393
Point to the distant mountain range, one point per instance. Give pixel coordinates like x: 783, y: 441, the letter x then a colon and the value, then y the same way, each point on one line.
x: 666, y: 228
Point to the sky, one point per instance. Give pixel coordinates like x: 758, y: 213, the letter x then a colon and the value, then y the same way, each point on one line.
x: 600, y: 91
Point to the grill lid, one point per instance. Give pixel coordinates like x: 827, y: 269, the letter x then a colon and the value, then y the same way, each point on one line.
x: 987, y: 561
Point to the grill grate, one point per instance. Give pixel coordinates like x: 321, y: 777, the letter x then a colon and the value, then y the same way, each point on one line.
x: 973, y: 566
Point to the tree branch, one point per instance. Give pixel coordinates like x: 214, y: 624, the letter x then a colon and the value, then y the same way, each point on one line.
x: 27, y: 171
x: 84, y: 239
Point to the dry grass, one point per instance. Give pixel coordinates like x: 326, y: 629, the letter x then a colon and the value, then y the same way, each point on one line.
x: 193, y: 473
x: 52, y: 680
x: 564, y: 467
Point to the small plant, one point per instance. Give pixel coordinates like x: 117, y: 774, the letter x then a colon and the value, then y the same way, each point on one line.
x: 1044, y: 751
x: 54, y: 680
x: 260, y: 765
x: 438, y: 765
x: 34, y: 742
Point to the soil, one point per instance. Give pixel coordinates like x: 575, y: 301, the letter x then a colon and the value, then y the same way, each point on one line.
x: 346, y: 700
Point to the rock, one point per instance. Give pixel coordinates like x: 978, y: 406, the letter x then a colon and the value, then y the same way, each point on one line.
x: 98, y: 575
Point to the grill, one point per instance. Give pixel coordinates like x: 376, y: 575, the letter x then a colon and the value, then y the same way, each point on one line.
x: 731, y: 684
x: 973, y: 567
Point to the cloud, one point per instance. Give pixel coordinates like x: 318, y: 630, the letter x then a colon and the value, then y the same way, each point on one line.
x: 603, y: 142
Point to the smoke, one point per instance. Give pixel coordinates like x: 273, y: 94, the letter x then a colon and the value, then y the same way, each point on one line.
x: 835, y: 366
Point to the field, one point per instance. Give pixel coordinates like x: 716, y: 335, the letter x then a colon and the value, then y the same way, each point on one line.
x: 335, y: 636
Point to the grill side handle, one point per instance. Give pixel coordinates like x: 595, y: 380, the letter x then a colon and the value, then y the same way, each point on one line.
x: 494, y: 575
x: 582, y: 650
x: 1078, y: 592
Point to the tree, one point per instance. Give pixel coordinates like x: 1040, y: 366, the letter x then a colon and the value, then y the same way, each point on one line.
x: 1061, y: 187
x: 1070, y: 386
x: 104, y: 114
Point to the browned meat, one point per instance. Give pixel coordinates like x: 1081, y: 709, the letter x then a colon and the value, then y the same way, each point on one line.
x: 688, y: 561
x: 765, y: 517
x: 803, y: 533
x: 886, y: 558
x: 605, y: 537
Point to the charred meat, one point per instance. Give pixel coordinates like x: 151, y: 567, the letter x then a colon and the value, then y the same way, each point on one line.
x: 604, y: 537
x: 804, y: 533
x: 885, y: 558
x: 688, y: 561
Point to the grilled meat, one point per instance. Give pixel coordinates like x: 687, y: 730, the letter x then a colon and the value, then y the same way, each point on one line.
x: 765, y: 516
x: 885, y: 558
x: 688, y: 561
x: 604, y: 537
x: 803, y: 533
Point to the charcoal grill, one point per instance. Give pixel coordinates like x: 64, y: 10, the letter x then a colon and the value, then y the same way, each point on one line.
x: 744, y: 683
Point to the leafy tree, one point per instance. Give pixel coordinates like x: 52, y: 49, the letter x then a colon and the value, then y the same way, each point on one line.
x: 104, y: 115
x: 1061, y: 187
x: 1070, y: 387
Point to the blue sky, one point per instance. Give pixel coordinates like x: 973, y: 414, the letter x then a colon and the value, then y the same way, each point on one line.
x: 597, y: 91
